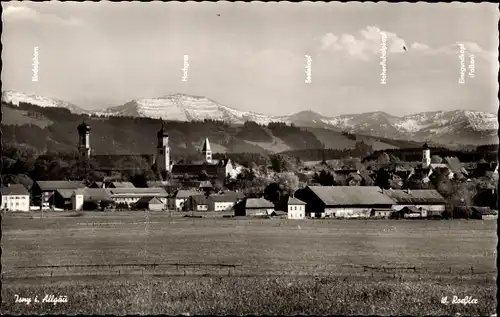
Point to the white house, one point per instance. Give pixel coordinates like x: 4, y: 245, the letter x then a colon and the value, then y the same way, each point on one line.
x: 15, y: 197
x: 296, y: 208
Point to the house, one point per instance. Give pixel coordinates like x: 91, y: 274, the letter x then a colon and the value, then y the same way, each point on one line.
x: 411, y: 212
x: 62, y: 198
x: 428, y: 200
x: 226, y: 200
x: 254, y: 207
x: 15, y: 197
x: 179, y: 199
x: 343, y: 201
x: 198, y: 202
x: 90, y: 198
x: 296, y: 208
x: 381, y: 213
x: 96, y: 185
x: 43, y: 191
x: 150, y: 203
x: 130, y: 196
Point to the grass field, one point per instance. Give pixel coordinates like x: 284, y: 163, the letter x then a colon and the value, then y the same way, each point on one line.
x: 243, y: 266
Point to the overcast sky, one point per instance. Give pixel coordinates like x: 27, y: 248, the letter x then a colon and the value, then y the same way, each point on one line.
x: 251, y: 56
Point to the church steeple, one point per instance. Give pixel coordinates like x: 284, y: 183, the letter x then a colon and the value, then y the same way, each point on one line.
x: 84, y: 139
x: 207, y: 151
x: 162, y: 150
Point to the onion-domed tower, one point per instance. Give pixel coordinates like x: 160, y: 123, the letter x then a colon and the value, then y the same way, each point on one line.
x: 84, y: 139
x: 162, y: 151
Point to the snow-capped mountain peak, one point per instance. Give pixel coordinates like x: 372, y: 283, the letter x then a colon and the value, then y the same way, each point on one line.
x: 15, y: 98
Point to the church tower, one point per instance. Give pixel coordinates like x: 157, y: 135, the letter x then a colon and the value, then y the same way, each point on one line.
x: 84, y: 140
x: 207, y: 151
x: 426, y: 156
x: 162, y: 151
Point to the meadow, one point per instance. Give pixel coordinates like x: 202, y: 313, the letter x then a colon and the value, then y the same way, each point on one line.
x: 150, y: 263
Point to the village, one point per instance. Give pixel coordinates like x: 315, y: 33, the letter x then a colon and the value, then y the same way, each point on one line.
x: 316, y: 190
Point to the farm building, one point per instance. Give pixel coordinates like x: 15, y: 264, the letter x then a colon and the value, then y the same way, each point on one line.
x: 343, y: 201
x: 130, y: 196
x: 381, y: 212
x: 409, y: 212
x: 179, y: 199
x: 422, y: 199
x: 15, y: 197
x: 254, y: 207
x: 44, y: 191
x: 226, y: 200
x: 90, y: 198
x: 150, y: 203
x: 198, y: 202
x: 296, y: 208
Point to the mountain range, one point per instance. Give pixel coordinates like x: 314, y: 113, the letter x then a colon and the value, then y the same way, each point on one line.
x: 445, y: 127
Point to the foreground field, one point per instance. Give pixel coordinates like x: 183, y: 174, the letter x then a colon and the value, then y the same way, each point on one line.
x: 230, y: 266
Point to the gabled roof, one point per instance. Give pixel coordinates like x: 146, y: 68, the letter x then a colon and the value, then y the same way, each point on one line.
x: 120, y: 184
x: 410, y: 209
x: 224, y: 198
x: 66, y: 193
x: 206, y: 146
x: 182, y: 193
x: 93, y: 194
x: 351, y: 195
x: 455, y: 165
x: 150, y: 200
x: 200, y: 199
x: 134, y: 192
x: 55, y: 185
x: 258, y: 203
x: 14, y: 189
x: 295, y: 201
x: 415, y: 196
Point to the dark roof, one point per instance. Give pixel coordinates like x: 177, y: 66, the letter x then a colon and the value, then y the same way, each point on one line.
x: 65, y: 193
x: 93, y: 194
x: 181, y: 193
x: 415, y: 196
x: 14, y: 189
x: 55, y: 185
x: 149, y: 200
x: 224, y: 198
x: 160, y: 192
x: 200, y: 199
x: 295, y: 201
x: 258, y: 203
x: 351, y: 195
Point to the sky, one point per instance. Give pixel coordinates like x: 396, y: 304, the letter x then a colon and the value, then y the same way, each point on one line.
x: 252, y: 56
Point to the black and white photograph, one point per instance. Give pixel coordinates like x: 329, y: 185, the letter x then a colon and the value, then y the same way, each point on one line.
x: 249, y: 158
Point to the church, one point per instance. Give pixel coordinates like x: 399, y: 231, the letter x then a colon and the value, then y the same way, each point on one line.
x: 206, y: 168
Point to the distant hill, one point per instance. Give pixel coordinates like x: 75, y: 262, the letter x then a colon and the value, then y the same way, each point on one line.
x: 53, y: 128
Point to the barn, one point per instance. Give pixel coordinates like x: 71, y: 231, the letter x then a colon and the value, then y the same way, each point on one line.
x: 254, y: 207
x: 343, y: 201
x: 428, y: 201
x: 150, y: 203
